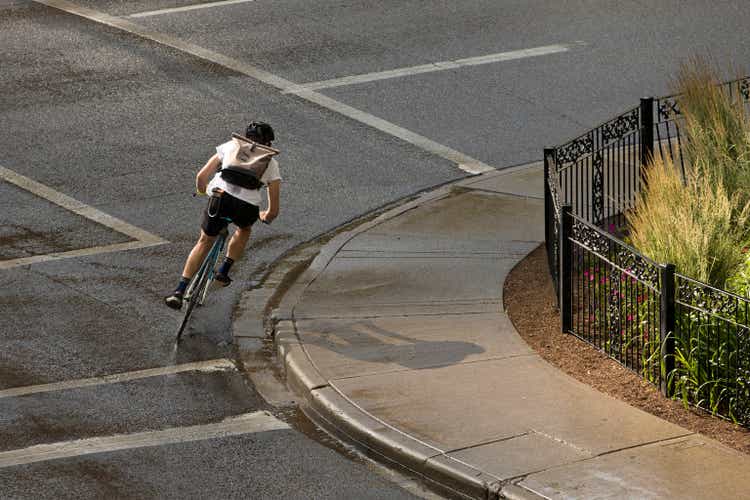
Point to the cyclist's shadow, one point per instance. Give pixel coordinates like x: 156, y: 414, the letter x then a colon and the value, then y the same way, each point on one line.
x: 366, y: 341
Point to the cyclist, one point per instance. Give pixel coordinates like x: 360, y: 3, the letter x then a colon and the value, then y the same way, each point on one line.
x: 229, y: 201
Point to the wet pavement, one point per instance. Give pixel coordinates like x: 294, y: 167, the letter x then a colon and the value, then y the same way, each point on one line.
x: 121, y: 124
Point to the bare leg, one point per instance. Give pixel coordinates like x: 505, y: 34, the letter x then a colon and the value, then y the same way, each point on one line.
x: 238, y: 242
x: 197, y: 254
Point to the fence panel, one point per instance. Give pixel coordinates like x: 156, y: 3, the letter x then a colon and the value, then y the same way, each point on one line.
x: 622, y: 302
x: 616, y: 299
x: 712, y: 349
x: 600, y: 170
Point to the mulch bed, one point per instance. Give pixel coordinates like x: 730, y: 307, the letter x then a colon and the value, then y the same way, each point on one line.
x: 529, y: 300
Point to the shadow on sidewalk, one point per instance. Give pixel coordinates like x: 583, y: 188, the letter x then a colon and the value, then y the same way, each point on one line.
x: 367, y: 341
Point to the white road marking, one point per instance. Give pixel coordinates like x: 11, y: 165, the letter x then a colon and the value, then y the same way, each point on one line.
x: 142, y: 238
x: 430, y: 68
x: 248, y: 423
x: 464, y: 162
x: 189, y: 7
x: 203, y: 366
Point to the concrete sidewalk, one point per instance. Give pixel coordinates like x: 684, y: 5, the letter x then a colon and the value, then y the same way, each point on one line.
x: 395, y: 338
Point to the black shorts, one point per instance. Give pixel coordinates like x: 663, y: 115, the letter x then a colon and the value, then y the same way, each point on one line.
x: 222, y: 210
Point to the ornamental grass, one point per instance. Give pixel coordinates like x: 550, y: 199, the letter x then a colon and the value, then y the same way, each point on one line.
x: 700, y: 223
x: 696, y: 225
x: 717, y: 133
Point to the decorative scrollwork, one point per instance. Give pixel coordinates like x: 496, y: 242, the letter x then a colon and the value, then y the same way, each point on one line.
x: 556, y: 244
x: 707, y: 299
x: 745, y: 88
x: 598, y: 188
x: 621, y: 256
x: 621, y: 126
x: 553, y: 181
x: 668, y: 109
x: 642, y: 269
x: 570, y: 152
x: 590, y: 238
x: 614, y: 308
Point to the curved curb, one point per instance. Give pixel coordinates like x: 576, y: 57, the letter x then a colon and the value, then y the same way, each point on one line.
x: 341, y: 417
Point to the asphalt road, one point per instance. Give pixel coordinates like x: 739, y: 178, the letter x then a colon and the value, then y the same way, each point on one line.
x: 121, y: 123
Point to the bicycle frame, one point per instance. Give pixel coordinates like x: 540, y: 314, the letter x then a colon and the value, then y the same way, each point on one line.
x: 202, y: 279
x: 213, y: 257
x: 208, y: 265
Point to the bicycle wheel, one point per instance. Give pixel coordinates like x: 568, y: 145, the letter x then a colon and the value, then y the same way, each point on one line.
x: 198, y: 287
x: 195, y: 290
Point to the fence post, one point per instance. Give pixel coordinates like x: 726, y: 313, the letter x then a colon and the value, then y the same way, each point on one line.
x: 667, y: 326
x: 647, y: 134
x: 566, y: 268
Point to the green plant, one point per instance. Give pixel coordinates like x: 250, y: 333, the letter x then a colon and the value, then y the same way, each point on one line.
x: 701, y: 374
x: 695, y: 225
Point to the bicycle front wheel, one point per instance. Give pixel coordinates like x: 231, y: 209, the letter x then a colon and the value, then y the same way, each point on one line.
x: 195, y: 292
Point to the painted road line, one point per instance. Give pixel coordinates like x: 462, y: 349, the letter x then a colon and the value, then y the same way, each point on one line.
x: 82, y: 252
x: 77, y: 207
x: 143, y: 239
x: 430, y: 68
x: 189, y: 7
x: 248, y: 423
x: 464, y: 162
x: 214, y: 365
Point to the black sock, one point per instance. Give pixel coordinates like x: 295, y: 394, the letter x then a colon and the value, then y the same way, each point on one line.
x: 226, y: 266
x: 182, y: 285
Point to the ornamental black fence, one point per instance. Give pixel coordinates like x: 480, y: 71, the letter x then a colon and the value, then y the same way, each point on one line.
x: 689, y: 339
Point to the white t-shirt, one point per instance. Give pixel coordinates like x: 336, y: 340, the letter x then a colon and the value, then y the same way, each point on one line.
x: 244, y: 194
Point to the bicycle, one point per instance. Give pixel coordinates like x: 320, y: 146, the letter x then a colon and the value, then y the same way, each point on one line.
x: 197, y: 289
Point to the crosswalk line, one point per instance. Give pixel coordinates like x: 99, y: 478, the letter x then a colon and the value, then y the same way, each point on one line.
x: 248, y: 423
x: 205, y: 366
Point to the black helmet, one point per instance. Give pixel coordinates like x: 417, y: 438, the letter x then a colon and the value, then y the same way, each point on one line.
x: 260, y: 132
